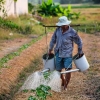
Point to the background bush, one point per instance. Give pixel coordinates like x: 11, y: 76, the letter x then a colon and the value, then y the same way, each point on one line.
x: 7, y: 24
x: 48, y: 8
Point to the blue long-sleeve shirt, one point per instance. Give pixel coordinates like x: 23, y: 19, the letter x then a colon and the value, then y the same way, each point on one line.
x: 64, y: 42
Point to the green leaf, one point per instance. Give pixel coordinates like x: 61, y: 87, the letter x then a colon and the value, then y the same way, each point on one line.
x: 49, y: 2
x: 32, y: 98
x: 59, y: 14
x: 65, y: 12
x: 69, y: 8
x: 61, y: 9
x: 25, y: 91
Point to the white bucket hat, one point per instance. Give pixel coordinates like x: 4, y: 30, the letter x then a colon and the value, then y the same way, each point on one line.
x: 63, y: 21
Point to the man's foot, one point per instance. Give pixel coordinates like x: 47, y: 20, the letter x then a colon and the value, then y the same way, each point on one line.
x: 62, y: 85
x: 62, y: 88
x: 65, y: 86
x: 65, y: 89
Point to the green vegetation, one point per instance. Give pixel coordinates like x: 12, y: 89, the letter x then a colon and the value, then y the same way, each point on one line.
x: 6, y: 34
x: 13, y: 26
x: 46, y: 75
x: 30, y: 7
x: 41, y: 93
x: 2, y: 8
x: 49, y: 8
x: 84, y: 6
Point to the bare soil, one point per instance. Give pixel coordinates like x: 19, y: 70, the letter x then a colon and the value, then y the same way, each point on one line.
x: 9, y: 46
x: 83, y: 86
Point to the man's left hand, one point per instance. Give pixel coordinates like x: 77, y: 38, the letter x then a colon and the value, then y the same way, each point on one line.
x: 80, y: 55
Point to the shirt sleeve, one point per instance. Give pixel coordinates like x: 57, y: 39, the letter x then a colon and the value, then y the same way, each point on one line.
x: 53, y: 41
x: 78, y: 41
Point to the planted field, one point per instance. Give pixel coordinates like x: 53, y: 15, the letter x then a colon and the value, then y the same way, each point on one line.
x: 83, y: 86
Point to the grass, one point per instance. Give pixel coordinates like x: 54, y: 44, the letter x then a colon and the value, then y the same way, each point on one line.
x: 8, y: 35
x: 30, y: 26
x: 21, y: 20
x: 84, y: 5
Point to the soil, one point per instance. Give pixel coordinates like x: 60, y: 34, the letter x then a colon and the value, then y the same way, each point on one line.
x: 9, y: 46
x: 83, y: 86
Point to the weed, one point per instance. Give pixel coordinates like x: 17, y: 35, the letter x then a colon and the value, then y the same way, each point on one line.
x: 25, y: 91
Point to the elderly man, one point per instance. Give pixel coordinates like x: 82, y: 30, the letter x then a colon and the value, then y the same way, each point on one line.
x: 63, y: 39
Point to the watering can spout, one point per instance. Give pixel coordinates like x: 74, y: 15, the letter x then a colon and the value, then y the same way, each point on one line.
x: 45, y: 70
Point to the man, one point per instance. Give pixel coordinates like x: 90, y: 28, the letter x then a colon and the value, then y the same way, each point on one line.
x: 63, y: 39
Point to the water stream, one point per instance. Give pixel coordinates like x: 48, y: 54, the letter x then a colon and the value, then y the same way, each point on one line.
x: 37, y: 78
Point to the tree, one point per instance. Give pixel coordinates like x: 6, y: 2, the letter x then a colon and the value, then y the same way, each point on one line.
x: 2, y: 8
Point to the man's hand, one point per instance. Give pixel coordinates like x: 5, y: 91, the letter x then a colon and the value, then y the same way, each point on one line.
x: 50, y: 51
x: 80, y: 55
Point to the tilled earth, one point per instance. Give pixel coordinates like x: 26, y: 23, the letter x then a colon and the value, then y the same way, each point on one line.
x: 83, y: 86
x: 9, y: 46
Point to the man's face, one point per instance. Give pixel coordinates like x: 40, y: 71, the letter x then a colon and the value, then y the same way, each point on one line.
x: 64, y: 26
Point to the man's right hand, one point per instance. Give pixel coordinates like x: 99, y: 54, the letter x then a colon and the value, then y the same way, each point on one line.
x: 50, y: 51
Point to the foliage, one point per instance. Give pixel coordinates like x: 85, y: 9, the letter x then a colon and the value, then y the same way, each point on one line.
x: 30, y: 7
x: 46, y: 75
x: 41, y: 93
x: 70, y: 1
x: 15, y: 0
x: 32, y: 98
x: 13, y: 26
x: 2, y: 9
x: 8, y: 24
x: 49, y: 8
x: 86, y: 6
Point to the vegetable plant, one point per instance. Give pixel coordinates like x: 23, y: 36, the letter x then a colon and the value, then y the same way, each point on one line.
x: 46, y: 75
x: 41, y: 93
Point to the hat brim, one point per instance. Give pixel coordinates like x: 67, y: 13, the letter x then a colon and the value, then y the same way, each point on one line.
x: 61, y: 24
